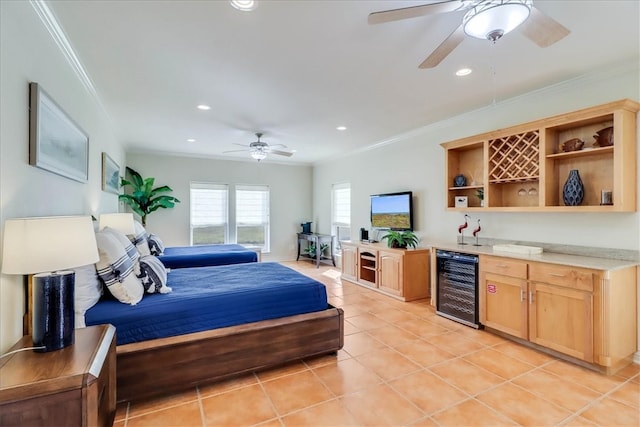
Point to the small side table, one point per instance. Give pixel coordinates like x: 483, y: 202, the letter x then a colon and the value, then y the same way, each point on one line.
x: 317, y: 240
x: 72, y: 386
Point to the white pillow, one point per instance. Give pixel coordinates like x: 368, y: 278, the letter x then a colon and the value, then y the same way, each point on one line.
x: 139, y: 238
x: 115, y: 269
x: 127, y: 245
x: 87, y: 291
x: 153, y: 275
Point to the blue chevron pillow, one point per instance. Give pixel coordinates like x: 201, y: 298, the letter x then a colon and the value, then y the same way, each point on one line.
x: 153, y: 275
x: 155, y: 245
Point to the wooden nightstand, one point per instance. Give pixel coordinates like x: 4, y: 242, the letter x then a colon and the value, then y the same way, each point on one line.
x: 73, y: 386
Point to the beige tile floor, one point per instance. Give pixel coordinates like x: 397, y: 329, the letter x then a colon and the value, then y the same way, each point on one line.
x: 403, y: 365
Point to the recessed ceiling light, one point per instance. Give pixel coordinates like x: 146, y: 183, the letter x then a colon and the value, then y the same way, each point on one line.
x: 244, y: 5
x: 203, y: 107
x: 341, y: 128
x: 463, y: 72
x: 191, y: 140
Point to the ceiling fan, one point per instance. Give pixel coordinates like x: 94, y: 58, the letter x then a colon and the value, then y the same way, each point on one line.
x: 259, y: 149
x: 483, y: 19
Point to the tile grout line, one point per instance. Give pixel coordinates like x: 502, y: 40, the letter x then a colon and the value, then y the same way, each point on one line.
x: 203, y: 419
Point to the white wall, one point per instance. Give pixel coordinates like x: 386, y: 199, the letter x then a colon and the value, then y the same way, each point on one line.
x: 416, y: 162
x: 289, y: 192
x: 28, y: 53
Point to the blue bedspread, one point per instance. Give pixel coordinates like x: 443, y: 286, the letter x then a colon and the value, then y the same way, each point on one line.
x: 206, y: 255
x: 212, y: 297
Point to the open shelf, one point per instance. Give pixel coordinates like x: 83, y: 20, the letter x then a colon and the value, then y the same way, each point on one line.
x: 523, y: 168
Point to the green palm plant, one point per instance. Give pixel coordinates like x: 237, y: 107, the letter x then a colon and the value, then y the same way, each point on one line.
x: 401, y: 239
x: 145, y: 199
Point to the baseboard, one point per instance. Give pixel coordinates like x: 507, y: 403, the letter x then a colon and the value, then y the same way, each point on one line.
x: 636, y: 357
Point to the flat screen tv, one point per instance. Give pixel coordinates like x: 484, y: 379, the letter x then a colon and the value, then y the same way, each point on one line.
x: 392, y: 210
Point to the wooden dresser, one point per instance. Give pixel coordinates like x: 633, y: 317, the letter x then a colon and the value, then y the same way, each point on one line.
x: 73, y: 386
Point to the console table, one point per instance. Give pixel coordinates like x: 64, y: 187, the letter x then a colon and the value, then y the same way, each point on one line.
x: 306, y: 240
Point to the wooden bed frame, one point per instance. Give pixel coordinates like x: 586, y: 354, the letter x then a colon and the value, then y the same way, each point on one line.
x: 167, y: 365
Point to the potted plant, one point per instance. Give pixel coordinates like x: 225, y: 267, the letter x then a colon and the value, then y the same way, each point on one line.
x: 401, y: 239
x: 311, y: 249
x: 480, y: 195
x: 145, y: 199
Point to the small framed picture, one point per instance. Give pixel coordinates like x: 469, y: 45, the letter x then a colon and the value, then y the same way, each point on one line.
x: 110, y: 174
x: 461, y: 201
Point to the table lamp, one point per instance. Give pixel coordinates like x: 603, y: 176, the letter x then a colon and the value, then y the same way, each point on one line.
x: 45, y: 247
x: 122, y: 222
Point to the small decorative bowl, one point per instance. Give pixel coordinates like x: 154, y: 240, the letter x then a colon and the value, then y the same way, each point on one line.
x: 604, y: 137
x: 573, y: 144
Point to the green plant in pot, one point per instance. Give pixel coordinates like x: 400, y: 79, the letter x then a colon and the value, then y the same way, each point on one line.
x: 480, y: 195
x: 145, y: 199
x: 401, y: 239
x: 311, y: 249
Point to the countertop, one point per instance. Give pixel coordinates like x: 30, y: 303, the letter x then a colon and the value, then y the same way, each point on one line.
x: 596, y: 263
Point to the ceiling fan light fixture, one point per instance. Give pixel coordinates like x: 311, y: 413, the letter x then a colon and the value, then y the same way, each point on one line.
x: 258, y: 154
x: 492, y: 19
x: 244, y: 5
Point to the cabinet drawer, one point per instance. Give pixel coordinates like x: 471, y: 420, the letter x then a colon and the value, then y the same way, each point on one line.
x: 503, y: 266
x: 572, y: 277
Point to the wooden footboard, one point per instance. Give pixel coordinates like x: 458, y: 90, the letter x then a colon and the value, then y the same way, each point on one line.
x: 172, y: 364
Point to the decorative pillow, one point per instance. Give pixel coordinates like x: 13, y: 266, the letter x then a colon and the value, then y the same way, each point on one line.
x: 127, y: 245
x: 153, y: 275
x: 87, y: 292
x: 115, y: 269
x: 139, y: 238
x: 155, y: 245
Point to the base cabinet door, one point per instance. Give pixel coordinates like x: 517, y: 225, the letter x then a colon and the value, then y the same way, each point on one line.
x: 561, y: 318
x: 349, y: 262
x: 390, y: 272
x: 505, y: 305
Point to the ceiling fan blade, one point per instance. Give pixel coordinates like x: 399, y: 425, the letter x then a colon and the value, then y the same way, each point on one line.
x: 542, y: 29
x: 241, y: 145
x: 415, y: 11
x: 235, y: 151
x: 281, y: 153
x: 445, y: 48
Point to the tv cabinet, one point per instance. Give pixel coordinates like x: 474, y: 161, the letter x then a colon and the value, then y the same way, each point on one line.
x: 399, y: 273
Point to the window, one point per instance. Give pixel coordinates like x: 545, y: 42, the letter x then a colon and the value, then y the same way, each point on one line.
x: 209, y: 213
x: 252, y: 216
x: 341, y: 212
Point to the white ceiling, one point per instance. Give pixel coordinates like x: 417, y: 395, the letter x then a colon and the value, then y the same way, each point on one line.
x: 297, y: 69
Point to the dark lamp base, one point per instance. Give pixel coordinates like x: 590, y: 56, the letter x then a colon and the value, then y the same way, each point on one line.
x: 53, y: 311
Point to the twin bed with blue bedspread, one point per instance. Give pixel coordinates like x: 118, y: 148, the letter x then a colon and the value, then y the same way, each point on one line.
x: 218, y: 322
x: 206, y: 255
x: 212, y: 297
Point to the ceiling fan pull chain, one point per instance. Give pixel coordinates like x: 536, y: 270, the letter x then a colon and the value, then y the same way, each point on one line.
x: 494, y: 79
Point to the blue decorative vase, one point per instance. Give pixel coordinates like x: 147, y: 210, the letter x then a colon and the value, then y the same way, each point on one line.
x: 573, y: 190
x: 459, y: 181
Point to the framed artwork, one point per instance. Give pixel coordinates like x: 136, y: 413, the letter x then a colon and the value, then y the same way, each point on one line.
x: 110, y: 174
x: 56, y: 143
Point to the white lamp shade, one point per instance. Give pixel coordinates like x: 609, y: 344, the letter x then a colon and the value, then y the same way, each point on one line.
x: 123, y: 222
x: 37, y: 245
x: 498, y: 16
